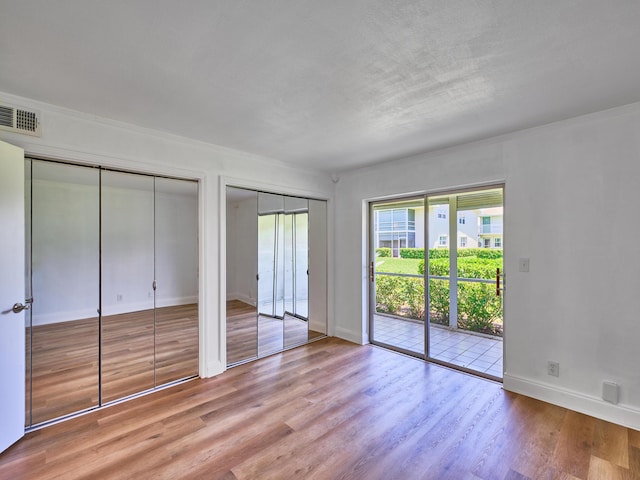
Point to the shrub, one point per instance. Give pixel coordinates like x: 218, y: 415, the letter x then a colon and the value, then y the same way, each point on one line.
x: 412, y: 252
x: 438, y: 266
x: 473, y: 267
x: 468, y: 267
x: 439, y: 306
x: 488, y: 253
x: 402, y: 296
x: 383, y: 252
x: 438, y: 253
x: 479, y: 308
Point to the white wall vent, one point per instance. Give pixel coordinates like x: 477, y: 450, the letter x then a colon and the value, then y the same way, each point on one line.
x: 19, y: 120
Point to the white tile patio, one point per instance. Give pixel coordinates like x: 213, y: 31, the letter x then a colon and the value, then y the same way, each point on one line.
x: 457, y: 347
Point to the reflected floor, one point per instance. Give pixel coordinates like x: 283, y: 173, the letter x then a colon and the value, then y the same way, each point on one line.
x: 456, y: 347
x: 248, y: 338
x: 64, y: 358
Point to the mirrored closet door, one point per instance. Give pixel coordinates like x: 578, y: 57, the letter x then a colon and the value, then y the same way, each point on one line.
x: 112, y: 270
x: 269, y: 276
x: 63, y: 279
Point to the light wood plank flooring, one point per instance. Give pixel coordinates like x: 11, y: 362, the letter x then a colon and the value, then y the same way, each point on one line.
x: 65, y: 358
x: 329, y: 410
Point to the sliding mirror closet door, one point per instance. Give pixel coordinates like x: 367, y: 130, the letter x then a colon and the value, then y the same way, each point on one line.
x: 295, y: 276
x: 242, y: 265
x: 176, y: 274
x: 270, y: 273
x: 284, y: 240
x: 127, y: 337
x: 63, y: 280
x: 318, y: 287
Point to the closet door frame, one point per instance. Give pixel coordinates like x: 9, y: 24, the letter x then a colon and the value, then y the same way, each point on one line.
x: 227, y: 181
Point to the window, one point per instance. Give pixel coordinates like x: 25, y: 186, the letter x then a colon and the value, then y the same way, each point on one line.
x: 463, y: 242
x: 486, y: 225
x: 497, y: 242
x: 442, y: 214
x: 462, y: 220
x: 487, y: 243
x: 442, y: 241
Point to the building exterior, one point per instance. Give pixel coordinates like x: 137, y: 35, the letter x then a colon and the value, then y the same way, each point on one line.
x: 402, y: 226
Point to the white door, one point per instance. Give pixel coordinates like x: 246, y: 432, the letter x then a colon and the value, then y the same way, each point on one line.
x: 12, y: 291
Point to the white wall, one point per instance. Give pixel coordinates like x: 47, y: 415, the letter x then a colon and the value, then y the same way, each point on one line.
x: 567, y: 181
x: 84, y: 138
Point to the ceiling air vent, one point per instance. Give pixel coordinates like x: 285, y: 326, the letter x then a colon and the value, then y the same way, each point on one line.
x: 19, y: 120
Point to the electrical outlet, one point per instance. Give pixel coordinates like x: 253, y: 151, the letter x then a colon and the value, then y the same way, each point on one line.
x: 553, y: 369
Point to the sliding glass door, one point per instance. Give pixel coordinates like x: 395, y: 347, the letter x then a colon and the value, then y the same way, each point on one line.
x: 461, y: 264
x: 396, y: 272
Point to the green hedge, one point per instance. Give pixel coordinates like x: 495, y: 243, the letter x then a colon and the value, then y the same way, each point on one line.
x: 434, y: 253
x: 412, y: 253
x: 479, y: 309
x: 400, y: 296
x: 438, y: 253
x: 468, y: 267
x: 383, y: 252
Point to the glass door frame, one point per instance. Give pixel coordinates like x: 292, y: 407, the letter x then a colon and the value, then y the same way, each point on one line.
x: 372, y: 274
x: 453, y: 280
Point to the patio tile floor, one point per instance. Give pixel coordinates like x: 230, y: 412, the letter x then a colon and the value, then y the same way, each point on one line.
x: 453, y: 346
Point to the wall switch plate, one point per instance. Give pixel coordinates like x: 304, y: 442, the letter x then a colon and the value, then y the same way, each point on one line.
x: 523, y: 265
x: 553, y: 369
x: 119, y: 297
x: 610, y: 392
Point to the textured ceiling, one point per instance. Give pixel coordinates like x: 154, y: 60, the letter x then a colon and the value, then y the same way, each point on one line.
x: 328, y: 84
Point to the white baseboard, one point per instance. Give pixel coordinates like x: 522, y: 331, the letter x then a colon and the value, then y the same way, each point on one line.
x: 57, y: 317
x: 349, y: 335
x: 242, y: 298
x: 212, y: 369
x: 620, y: 414
x: 115, y: 309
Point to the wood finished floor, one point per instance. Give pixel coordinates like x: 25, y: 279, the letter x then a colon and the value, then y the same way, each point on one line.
x: 329, y: 410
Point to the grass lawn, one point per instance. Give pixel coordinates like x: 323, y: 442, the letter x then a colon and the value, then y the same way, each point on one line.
x: 397, y: 265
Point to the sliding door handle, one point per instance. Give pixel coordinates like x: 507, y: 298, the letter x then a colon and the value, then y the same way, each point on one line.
x: 372, y: 272
x: 499, y: 289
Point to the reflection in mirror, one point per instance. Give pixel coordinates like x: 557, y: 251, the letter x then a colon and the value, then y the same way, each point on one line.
x: 62, y: 334
x: 127, y: 284
x: 176, y: 274
x: 296, y: 254
x: 317, y: 268
x: 242, y: 265
x: 270, y: 273
x: 289, y: 265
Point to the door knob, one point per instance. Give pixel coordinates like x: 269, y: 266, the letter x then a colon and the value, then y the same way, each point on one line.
x: 18, y: 307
